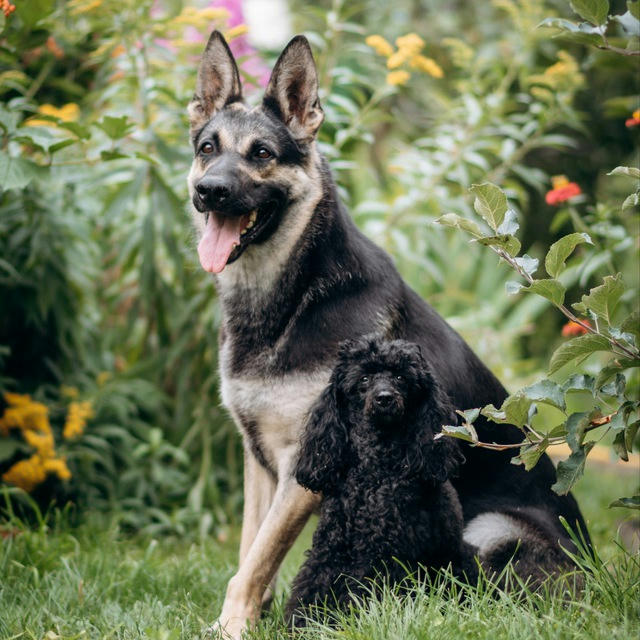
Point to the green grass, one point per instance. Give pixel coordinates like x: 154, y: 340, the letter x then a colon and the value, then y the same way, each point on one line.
x: 95, y: 582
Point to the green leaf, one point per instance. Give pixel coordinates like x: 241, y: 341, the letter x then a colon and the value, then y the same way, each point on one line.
x: 613, y: 367
x: 462, y: 433
x: 595, y: 11
x: 115, y: 128
x: 570, y: 470
x: 630, y: 201
x: 579, y: 382
x: 16, y: 173
x: 616, y: 387
x: 454, y: 220
x: 530, y: 454
x: 546, y: 391
x: 510, y: 244
x: 490, y: 203
x: 34, y: 11
x: 528, y: 264
x: 631, y: 324
x: 548, y: 288
x: 576, y: 426
x: 516, y: 409
x: 632, y: 172
x: 559, y: 251
x: 629, y: 503
x: 579, y: 347
x: 620, y: 447
x: 602, y: 300
x: 630, y: 434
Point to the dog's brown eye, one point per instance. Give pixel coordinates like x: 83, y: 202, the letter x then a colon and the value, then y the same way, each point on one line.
x: 263, y: 154
x: 206, y: 148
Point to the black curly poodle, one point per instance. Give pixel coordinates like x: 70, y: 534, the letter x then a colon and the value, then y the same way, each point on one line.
x: 369, y: 448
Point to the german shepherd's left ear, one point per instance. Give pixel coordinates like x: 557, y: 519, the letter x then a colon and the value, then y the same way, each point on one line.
x: 218, y: 82
x: 292, y: 93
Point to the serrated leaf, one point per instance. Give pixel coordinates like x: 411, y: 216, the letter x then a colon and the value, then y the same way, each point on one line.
x: 528, y: 264
x: 559, y: 251
x: 546, y: 391
x: 632, y: 200
x: 632, y: 172
x: 619, y: 364
x: 548, y: 288
x: 629, y: 503
x: 516, y: 409
x: 490, y: 203
x: 602, y: 300
x: 530, y: 454
x: 16, y: 173
x: 620, y: 447
x: 115, y: 127
x: 579, y: 382
x: 630, y: 434
x: 509, y: 225
x: 570, y: 470
x: 454, y: 220
x: 631, y: 324
x: 595, y: 11
x: 457, y: 432
x: 616, y: 387
x: 576, y: 427
x: 510, y: 244
x: 579, y: 347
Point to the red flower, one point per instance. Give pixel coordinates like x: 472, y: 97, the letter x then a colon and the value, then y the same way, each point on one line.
x: 634, y: 120
x: 562, y: 190
x: 572, y: 328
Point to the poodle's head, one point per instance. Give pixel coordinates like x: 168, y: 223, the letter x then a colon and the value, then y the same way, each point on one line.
x: 379, y: 391
x: 383, y: 382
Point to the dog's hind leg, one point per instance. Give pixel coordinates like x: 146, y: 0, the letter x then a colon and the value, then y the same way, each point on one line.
x: 286, y: 517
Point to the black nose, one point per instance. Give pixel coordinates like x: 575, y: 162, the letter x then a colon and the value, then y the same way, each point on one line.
x: 213, y: 190
x: 384, y: 398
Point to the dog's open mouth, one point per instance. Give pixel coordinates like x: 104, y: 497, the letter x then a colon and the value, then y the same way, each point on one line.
x: 226, y: 237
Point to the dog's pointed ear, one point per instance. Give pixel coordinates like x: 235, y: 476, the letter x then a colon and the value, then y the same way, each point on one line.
x: 218, y: 82
x: 292, y: 92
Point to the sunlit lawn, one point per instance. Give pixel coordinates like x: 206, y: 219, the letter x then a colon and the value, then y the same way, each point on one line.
x: 95, y: 582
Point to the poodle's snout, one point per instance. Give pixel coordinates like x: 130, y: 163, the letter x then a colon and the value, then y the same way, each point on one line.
x: 383, y: 399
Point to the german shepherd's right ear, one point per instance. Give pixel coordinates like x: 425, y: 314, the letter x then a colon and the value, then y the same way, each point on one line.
x: 218, y: 82
x: 292, y: 92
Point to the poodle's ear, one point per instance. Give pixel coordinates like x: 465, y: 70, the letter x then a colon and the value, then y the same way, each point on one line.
x: 324, y: 443
x: 436, y: 460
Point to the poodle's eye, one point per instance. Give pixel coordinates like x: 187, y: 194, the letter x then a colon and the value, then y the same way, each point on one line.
x: 364, y: 379
x: 400, y: 378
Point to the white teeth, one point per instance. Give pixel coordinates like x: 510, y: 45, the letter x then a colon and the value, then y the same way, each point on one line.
x: 252, y: 218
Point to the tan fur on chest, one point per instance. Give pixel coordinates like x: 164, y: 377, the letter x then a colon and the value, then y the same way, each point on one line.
x: 273, y: 410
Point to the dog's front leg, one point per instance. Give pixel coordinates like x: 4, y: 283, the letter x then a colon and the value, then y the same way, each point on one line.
x: 287, y: 515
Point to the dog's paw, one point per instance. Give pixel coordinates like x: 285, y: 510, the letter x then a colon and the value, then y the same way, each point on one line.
x: 227, y: 629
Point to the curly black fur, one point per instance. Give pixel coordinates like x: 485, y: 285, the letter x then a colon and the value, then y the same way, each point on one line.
x: 369, y: 447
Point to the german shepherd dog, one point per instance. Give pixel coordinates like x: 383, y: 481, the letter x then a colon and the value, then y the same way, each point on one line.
x: 295, y: 277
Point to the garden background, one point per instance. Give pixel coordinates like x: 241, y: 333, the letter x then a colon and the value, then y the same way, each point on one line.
x: 111, y: 433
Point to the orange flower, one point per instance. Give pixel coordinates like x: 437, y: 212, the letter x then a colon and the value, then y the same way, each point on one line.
x: 572, y: 328
x: 634, y: 120
x: 562, y: 190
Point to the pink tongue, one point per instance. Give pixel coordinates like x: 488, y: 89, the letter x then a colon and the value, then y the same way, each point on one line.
x: 220, y: 236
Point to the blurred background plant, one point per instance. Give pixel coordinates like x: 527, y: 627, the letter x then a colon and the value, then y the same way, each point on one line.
x: 99, y: 286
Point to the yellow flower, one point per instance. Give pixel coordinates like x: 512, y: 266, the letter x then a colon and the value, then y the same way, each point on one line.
x: 397, y: 59
x: 57, y: 466
x: 379, y: 45
x: 411, y: 44
x: 68, y: 113
x: 25, y: 414
x: 76, y: 421
x: 82, y: 6
x: 557, y: 182
x: 70, y: 392
x: 398, y: 77
x: 102, y: 378
x: 26, y: 474
x: 427, y: 65
x: 41, y: 442
x: 238, y: 30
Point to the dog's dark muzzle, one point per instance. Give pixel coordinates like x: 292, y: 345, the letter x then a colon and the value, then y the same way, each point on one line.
x: 384, y: 404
